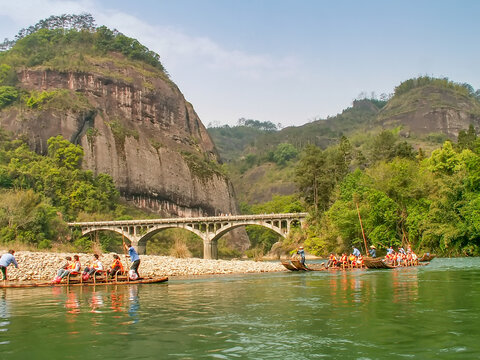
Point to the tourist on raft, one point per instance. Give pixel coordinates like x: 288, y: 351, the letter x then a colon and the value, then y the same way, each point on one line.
x: 373, y: 251
x: 117, y: 266
x: 6, y: 260
x: 134, y: 258
x: 356, y: 252
x: 332, y: 261
x: 68, y: 268
x: 64, y: 267
x: 95, y: 266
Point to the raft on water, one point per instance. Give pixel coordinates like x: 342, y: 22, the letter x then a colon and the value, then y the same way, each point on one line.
x: 376, y: 263
x: 427, y: 257
x: 379, y: 263
x: 123, y: 281
x: 296, y: 265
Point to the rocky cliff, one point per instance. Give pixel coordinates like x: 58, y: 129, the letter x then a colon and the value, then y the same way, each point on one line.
x: 133, y: 124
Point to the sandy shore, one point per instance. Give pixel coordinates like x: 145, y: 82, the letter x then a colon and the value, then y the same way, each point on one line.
x: 44, y: 265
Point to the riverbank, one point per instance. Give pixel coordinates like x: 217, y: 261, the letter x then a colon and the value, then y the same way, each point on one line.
x: 44, y: 265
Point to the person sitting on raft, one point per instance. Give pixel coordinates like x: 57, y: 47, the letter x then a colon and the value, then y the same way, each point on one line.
x: 360, y: 262
x: 68, y: 268
x: 352, y: 260
x: 332, y: 261
x: 95, y: 266
x: 116, y: 266
x: 64, y: 267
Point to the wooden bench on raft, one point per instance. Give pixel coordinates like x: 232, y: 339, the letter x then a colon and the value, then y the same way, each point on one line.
x: 100, y: 276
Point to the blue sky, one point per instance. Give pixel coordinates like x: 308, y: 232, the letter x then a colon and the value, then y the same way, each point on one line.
x: 284, y: 61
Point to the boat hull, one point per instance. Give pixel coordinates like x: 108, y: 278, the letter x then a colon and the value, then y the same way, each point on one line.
x: 376, y: 263
x: 427, y: 257
x: 156, y: 280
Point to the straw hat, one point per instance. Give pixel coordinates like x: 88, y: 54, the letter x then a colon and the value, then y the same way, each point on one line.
x: 373, y: 247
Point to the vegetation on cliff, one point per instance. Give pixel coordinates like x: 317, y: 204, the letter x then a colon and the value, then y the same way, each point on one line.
x: 39, y: 193
x: 70, y: 43
x: 61, y: 41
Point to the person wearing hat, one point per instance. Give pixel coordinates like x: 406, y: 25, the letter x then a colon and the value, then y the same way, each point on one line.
x: 301, y: 252
x: 372, y: 251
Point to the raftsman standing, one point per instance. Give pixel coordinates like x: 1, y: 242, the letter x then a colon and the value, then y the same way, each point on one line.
x: 6, y: 260
x: 134, y: 258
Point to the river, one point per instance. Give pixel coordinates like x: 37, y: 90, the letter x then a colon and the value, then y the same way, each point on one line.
x: 430, y: 312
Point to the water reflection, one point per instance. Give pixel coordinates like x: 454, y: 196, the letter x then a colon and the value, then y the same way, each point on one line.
x: 134, y: 302
x: 405, y: 313
x: 4, y: 316
x: 405, y: 285
x: 94, y: 300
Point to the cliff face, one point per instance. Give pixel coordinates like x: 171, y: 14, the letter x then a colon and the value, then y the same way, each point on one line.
x: 134, y: 126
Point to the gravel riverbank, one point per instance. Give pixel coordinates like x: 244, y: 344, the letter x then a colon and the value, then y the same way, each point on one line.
x: 44, y: 265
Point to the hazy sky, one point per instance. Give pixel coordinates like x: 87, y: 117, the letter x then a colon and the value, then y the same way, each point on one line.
x: 284, y: 61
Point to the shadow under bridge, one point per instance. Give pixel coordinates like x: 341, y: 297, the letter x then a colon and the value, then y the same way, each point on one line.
x: 209, y: 229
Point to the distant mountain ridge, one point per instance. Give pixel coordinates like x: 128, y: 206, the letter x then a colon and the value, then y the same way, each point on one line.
x: 423, y: 111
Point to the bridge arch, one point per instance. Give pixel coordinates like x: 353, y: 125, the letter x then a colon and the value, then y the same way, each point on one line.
x: 209, y: 229
x: 225, y: 229
x: 142, y: 241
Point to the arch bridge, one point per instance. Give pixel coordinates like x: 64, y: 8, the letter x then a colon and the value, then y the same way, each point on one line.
x: 209, y: 229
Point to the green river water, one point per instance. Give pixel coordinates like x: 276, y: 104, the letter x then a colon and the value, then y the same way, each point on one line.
x: 430, y: 312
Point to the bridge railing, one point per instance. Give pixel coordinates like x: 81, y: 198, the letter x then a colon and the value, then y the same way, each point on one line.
x: 192, y: 219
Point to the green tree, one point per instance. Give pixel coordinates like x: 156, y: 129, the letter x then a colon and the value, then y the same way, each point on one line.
x: 283, y: 153
x: 8, y: 94
x: 65, y: 153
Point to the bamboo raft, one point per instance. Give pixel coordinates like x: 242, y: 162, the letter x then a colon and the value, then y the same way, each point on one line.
x: 123, y: 281
x: 376, y: 263
x: 296, y: 265
x: 427, y: 257
x: 379, y: 263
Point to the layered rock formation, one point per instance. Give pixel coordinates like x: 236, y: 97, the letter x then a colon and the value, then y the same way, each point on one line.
x: 133, y: 124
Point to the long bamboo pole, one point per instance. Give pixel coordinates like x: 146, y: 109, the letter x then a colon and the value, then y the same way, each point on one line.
x: 125, y: 253
x: 363, y: 232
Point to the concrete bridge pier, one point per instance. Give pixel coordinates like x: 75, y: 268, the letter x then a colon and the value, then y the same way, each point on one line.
x: 141, y: 248
x: 210, y: 250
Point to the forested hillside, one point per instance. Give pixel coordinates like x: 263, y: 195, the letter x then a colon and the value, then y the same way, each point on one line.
x: 410, y: 183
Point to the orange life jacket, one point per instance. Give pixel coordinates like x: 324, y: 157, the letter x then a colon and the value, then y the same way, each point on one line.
x: 118, y: 263
x: 73, y: 265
